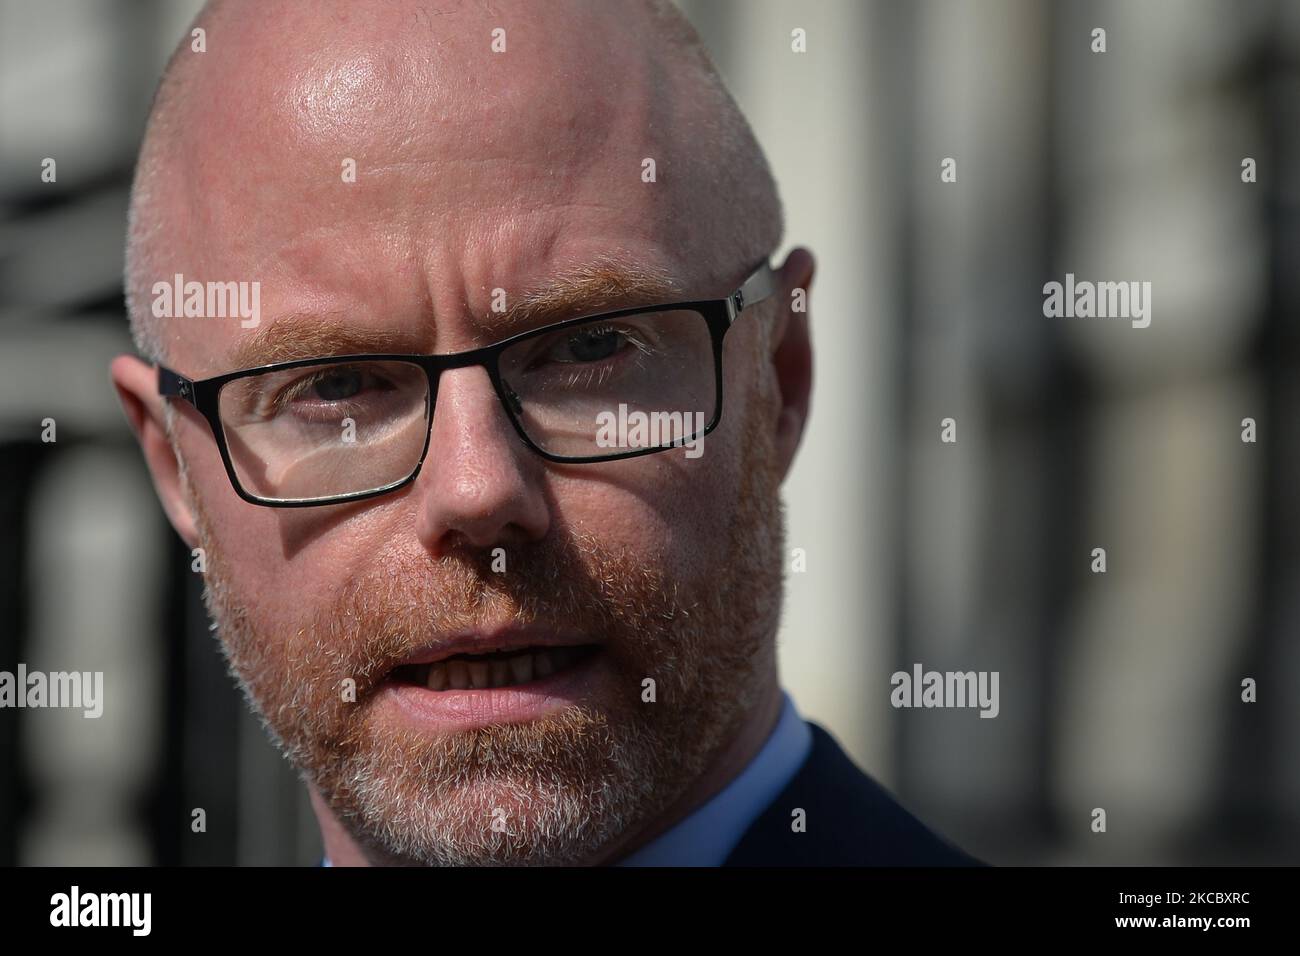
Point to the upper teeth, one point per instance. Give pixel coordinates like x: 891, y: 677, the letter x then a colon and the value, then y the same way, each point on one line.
x: 519, y: 668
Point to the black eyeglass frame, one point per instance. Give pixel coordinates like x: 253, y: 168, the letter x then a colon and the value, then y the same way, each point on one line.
x: 719, y: 314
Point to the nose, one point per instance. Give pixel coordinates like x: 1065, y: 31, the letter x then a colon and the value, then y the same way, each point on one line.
x: 479, y: 485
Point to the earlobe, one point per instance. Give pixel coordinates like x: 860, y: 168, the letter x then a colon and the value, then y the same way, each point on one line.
x: 136, y: 385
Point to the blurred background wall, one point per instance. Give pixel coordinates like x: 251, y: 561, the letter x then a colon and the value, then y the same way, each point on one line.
x: 1119, y: 690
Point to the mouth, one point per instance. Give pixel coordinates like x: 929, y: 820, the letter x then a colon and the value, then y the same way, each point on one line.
x: 514, y: 667
x: 491, y: 676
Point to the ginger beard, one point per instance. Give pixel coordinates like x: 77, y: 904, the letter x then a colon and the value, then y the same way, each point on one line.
x: 554, y: 790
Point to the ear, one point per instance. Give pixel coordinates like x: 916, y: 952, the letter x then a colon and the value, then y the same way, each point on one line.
x: 791, y: 354
x: 137, y: 389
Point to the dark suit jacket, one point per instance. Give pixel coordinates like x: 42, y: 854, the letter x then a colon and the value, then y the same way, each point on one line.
x: 850, y: 821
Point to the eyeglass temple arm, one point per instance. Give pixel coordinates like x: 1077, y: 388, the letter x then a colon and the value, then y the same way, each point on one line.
x: 170, y: 383
x: 759, y: 286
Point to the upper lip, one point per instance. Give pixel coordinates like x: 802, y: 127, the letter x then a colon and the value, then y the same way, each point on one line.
x: 487, y: 640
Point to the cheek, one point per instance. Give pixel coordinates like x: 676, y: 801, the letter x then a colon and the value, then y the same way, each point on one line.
x: 244, y: 539
x: 669, y: 511
x: 282, y: 564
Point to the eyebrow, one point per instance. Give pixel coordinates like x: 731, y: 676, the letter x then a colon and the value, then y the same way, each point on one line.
x: 304, y: 335
x: 604, y: 285
x: 600, y: 286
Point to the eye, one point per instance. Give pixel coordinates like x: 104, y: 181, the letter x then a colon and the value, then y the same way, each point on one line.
x: 602, y: 347
x: 340, y: 383
x: 588, y: 345
x: 334, y: 386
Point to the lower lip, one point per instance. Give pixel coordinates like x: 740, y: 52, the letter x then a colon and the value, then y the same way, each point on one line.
x: 456, y: 710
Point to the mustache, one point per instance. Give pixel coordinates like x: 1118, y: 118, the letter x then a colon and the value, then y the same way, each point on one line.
x: 568, y: 582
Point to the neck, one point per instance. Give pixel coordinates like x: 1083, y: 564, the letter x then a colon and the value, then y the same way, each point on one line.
x: 754, y: 729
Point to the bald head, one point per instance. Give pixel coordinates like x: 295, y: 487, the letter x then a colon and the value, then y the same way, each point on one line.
x: 493, y: 146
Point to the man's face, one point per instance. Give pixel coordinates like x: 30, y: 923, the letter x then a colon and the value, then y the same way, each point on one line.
x: 661, y: 574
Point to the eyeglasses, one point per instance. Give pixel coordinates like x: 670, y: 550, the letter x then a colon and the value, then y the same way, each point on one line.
x: 595, y: 388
